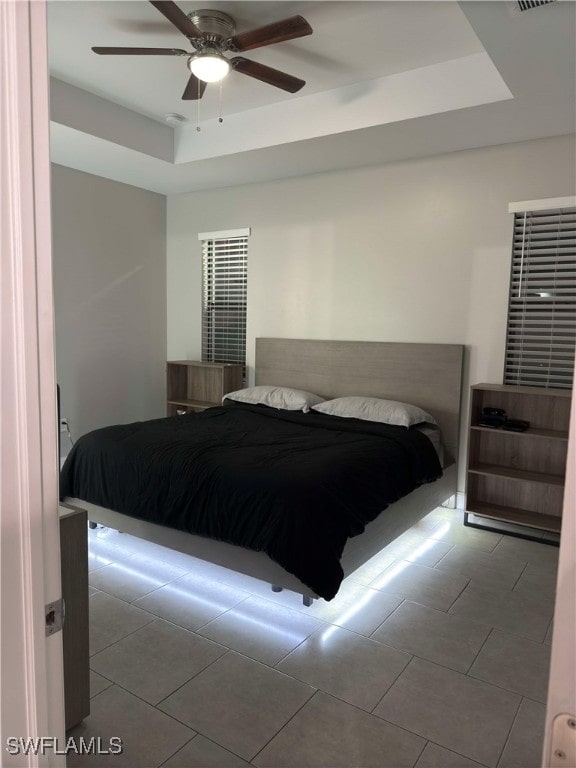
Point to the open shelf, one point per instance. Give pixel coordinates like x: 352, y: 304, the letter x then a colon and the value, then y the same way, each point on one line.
x: 511, y: 473
x: 181, y: 406
x: 553, y: 434
x: 517, y: 516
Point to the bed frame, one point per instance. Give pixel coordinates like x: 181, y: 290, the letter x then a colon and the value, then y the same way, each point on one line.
x: 427, y: 375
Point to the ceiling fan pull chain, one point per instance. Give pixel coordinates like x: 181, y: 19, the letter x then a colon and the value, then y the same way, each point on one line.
x: 198, y: 109
x: 220, y: 118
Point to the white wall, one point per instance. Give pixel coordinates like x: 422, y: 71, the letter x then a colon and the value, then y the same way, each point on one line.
x: 410, y: 251
x: 109, y: 252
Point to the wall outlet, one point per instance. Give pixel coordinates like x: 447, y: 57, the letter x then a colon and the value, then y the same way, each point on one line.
x: 63, y: 425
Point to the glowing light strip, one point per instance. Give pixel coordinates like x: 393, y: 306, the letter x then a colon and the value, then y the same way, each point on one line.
x: 340, y: 622
x: 194, y: 597
x: 270, y: 628
x: 389, y: 575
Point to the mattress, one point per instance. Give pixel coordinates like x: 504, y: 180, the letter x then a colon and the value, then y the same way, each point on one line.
x: 295, y: 486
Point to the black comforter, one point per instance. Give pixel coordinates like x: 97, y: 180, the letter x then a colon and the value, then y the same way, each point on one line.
x: 294, y: 485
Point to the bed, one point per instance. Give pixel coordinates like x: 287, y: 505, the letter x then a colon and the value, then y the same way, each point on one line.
x: 426, y: 375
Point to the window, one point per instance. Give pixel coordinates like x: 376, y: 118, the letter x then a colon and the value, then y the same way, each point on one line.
x: 541, y: 334
x: 224, y: 287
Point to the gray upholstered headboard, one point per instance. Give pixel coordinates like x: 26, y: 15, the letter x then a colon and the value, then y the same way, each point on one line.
x: 428, y: 375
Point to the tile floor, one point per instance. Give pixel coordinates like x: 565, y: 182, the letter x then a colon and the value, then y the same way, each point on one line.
x: 433, y: 655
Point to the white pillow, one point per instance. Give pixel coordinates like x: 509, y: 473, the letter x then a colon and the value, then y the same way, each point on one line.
x: 276, y: 397
x: 375, y: 409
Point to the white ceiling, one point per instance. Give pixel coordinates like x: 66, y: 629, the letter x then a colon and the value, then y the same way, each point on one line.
x: 384, y: 81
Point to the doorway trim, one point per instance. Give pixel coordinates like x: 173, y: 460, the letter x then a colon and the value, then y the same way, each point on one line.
x: 32, y: 692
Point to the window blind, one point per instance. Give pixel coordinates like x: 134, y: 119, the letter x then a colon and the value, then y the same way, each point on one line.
x: 541, y: 333
x: 224, y: 295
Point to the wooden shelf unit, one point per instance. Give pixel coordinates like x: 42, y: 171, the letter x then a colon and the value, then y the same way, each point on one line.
x: 195, y: 386
x: 518, y: 477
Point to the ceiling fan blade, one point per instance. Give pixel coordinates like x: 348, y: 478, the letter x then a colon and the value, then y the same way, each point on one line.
x: 267, y: 74
x: 194, y: 89
x: 140, y: 51
x: 177, y: 17
x: 287, y: 29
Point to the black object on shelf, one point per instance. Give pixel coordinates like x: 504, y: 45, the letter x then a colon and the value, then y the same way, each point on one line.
x: 492, y: 417
x: 496, y: 418
x: 516, y: 425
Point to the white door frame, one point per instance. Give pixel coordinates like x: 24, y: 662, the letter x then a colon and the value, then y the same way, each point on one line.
x: 31, y: 692
x: 561, y: 705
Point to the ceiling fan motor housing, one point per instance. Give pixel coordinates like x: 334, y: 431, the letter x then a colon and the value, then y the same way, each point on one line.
x: 215, y: 26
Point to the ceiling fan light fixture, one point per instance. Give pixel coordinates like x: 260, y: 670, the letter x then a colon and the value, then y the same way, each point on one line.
x: 209, y: 66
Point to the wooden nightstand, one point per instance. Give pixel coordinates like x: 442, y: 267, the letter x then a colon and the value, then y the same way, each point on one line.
x: 195, y: 386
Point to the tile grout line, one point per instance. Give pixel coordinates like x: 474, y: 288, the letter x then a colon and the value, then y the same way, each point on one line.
x: 510, y: 731
x: 178, y: 750
x: 106, y: 647
x: 286, y: 655
x: 179, y: 687
x: 404, y: 668
x: 465, y: 587
x: 520, y: 576
x: 465, y: 757
x: 139, y: 597
x: 405, y: 600
x: 479, y: 652
x: 426, y: 742
x: 279, y: 731
x: 214, y: 618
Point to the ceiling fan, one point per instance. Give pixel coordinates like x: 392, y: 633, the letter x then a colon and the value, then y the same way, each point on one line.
x: 211, y: 34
